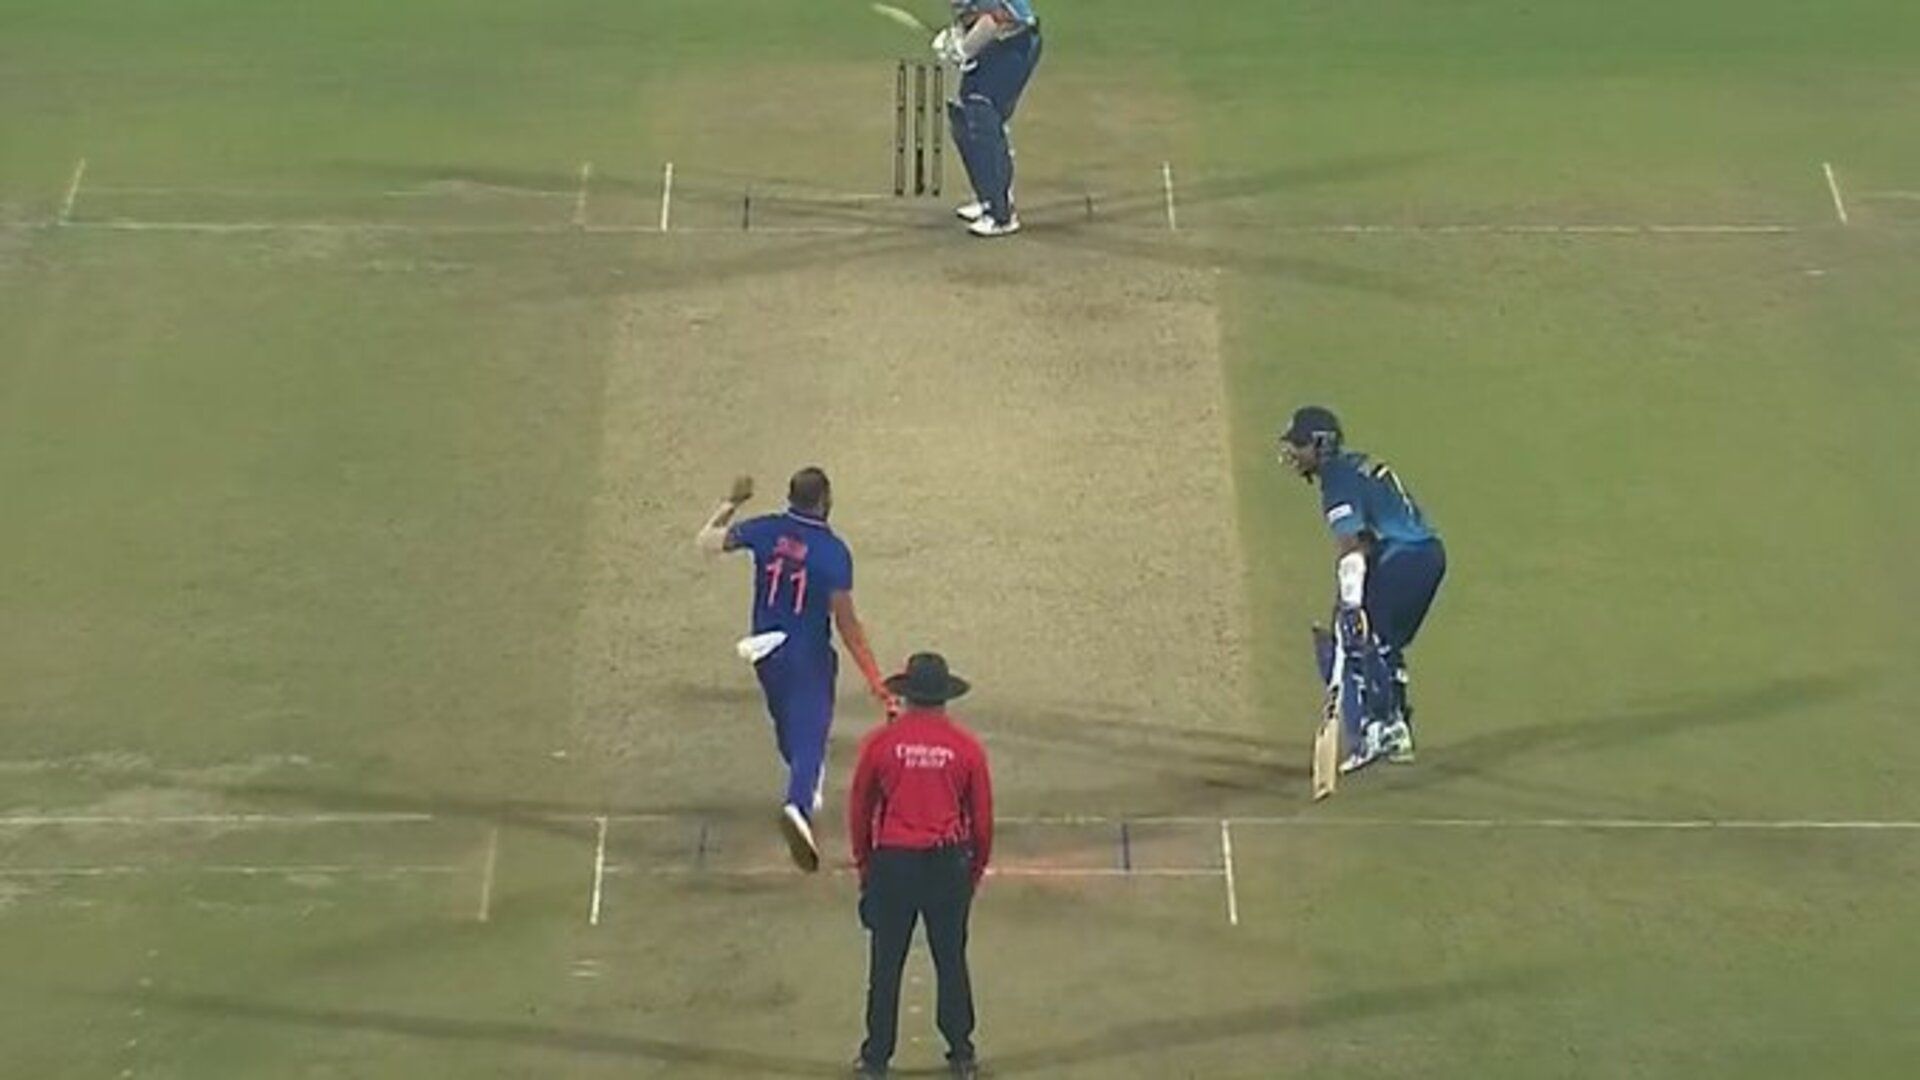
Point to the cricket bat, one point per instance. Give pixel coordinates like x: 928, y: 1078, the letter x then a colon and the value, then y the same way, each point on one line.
x: 1326, y: 740
x: 902, y: 16
x: 1326, y: 747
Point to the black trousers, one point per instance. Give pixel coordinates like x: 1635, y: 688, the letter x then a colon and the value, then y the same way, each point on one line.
x: 903, y: 887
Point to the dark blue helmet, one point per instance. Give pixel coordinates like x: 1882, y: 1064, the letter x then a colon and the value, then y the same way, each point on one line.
x: 1313, y: 425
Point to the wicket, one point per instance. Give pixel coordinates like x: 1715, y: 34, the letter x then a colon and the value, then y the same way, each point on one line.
x: 928, y: 107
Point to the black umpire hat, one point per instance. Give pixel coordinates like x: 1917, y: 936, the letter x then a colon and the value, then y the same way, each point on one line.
x: 927, y: 681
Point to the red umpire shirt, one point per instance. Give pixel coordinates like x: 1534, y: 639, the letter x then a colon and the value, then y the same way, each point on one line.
x: 921, y: 783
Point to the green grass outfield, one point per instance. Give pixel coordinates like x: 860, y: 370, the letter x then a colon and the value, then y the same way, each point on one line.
x: 357, y: 715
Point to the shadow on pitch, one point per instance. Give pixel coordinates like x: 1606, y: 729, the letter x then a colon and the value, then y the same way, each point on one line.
x: 1161, y: 1034
x: 567, y: 818
x: 1158, y: 1034
x: 499, y: 1032
x: 1491, y: 751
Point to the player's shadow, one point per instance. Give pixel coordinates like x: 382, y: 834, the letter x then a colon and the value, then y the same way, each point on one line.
x: 1145, y: 203
x: 1242, y: 255
x: 1491, y: 751
x: 508, y: 1033
x: 719, y: 261
x: 1159, y: 1034
x: 561, y: 817
x: 427, y: 177
x: 1155, y: 1034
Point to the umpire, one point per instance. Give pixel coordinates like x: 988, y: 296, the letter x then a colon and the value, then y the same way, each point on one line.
x: 920, y: 816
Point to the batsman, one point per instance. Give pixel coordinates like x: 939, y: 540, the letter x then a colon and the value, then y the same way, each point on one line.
x: 996, y: 45
x: 1388, y: 564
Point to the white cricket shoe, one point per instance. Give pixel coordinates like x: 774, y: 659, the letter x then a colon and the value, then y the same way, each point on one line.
x: 987, y: 227
x: 799, y: 834
x: 1399, y: 743
x: 1374, y: 745
x: 971, y: 212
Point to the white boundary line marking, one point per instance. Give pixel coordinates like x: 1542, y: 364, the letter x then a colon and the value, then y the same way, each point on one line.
x: 251, y: 871
x: 73, y: 191
x: 1226, y: 863
x: 580, y: 203
x: 599, y: 873
x: 1166, y: 181
x: 486, y: 875
x: 1833, y: 186
x: 666, y: 199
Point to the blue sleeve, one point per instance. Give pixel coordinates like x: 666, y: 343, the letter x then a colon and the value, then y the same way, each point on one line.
x: 750, y: 534
x: 837, y: 570
x: 1343, y: 500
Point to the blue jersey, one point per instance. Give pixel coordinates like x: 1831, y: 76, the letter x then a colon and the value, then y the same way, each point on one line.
x: 798, y: 565
x: 1366, y: 498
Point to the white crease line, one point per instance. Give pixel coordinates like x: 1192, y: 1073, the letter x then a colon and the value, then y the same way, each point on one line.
x: 623, y: 870
x: 73, y: 191
x: 250, y: 871
x: 599, y: 873
x: 486, y: 875
x: 373, y: 228
x: 1833, y: 186
x: 666, y: 199
x: 1166, y: 181
x: 1226, y: 863
x: 1307, y: 821
x: 30, y: 821
x: 580, y: 203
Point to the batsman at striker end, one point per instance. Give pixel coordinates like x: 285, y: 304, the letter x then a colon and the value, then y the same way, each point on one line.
x: 996, y: 45
x: 1388, y: 563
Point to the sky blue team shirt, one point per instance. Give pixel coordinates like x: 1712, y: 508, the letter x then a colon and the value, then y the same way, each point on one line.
x: 1362, y: 496
x: 798, y: 564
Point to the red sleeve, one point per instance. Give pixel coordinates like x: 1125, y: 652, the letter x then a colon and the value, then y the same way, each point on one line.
x: 860, y: 805
x: 980, y: 810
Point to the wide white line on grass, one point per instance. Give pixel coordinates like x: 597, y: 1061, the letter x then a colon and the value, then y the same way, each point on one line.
x: 1356, y: 229
x: 30, y: 821
x: 486, y: 875
x: 249, y: 871
x: 1166, y: 181
x: 992, y: 871
x: 1833, y: 186
x: 73, y: 191
x: 599, y: 873
x: 27, y: 821
x: 666, y: 199
x: 1226, y: 863
x: 580, y: 203
x: 1330, y: 822
x: 315, y: 193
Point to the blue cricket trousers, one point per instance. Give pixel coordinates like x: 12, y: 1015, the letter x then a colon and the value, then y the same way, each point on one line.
x: 799, y: 689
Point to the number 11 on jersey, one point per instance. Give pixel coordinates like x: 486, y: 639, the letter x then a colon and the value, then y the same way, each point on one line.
x: 776, y: 571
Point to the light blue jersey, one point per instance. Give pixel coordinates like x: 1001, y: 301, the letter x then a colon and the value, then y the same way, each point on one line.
x: 1362, y: 497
